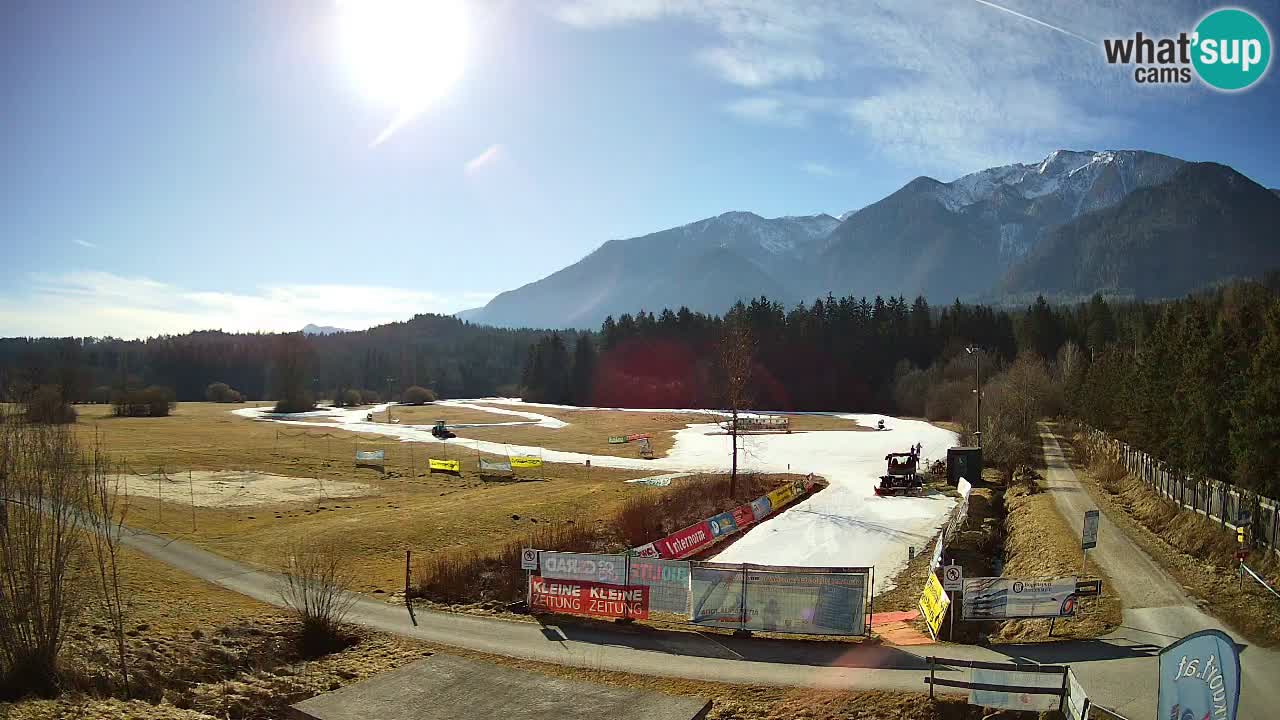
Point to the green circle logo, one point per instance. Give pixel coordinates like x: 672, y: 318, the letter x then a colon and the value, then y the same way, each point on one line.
x: 1232, y: 49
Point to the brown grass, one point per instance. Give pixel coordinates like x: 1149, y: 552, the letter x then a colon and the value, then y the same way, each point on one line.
x: 1040, y: 543
x: 1196, y: 551
x: 476, y: 576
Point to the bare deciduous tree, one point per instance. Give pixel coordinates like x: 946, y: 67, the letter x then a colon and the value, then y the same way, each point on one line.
x: 314, y: 585
x: 737, y: 350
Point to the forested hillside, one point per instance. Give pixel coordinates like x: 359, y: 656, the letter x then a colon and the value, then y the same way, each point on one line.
x: 455, y: 358
x: 1192, y: 381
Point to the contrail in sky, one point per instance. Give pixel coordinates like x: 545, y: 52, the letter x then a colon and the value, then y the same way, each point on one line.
x: 1042, y: 23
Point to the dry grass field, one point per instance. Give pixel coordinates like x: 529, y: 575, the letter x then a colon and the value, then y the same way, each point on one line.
x: 404, y: 507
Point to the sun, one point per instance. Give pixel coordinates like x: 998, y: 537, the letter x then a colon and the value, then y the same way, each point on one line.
x: 403, y: 54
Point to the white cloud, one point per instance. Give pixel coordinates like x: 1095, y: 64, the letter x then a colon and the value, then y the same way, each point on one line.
x: 750, y: 69
x: 490, y: 155
x: 942, y: 86
x: 818, y: 169
x: 84, y: 243
x: 101, y: 303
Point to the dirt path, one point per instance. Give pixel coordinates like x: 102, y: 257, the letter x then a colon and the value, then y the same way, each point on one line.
x: 1157, y: 611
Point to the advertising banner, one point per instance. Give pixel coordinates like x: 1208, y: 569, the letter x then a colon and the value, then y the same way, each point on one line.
x: 934, y: 602
x: 452, y: 466
x: 686, y: 542
x: 1200, y: 677
x: 637, y: 436
x: 1016, y: 699
x: 1001, y: 598
x: 743, y: 517
x: 617, y: 439
x: 646, y: 550
x: 572, y: 597
x: 371, y: 456
x: 667, y: 580
x: 586, y: 567
x: 809, y: 482
x: 761, y: 508
x: 807, y: 603
x: 780, y: 496
x: 525, y: 461
x: 715, y: 596
x: 723, y: 524
x: 502, y: 466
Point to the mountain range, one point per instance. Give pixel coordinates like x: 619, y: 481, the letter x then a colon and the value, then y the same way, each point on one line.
x: 1124, y: 222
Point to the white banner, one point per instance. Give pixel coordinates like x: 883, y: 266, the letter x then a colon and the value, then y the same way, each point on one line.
x: 584, y: 567
x: 1001, y: 598
x: 667, y: 580
x: 1015, y: 700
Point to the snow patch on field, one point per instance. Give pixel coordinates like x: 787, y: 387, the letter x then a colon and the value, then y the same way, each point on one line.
x: 844, y: 525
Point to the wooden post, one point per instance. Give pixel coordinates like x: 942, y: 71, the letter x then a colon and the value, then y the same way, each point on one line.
x: 192, y: 487
x: 931, y: 666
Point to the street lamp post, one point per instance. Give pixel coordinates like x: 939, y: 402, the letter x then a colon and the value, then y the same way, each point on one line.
x: 390, y: 382
x: 977, y: 392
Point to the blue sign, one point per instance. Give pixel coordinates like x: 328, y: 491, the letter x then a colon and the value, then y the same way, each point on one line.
x: 722, y: 525
x: 1200, y: 678
x: 761, y: 507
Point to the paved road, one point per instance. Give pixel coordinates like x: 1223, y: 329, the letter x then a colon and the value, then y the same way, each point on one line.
x: 1156, y: 609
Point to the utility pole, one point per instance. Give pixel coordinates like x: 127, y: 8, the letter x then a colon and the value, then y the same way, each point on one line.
x: 975, y: 351
x: 390, y: 382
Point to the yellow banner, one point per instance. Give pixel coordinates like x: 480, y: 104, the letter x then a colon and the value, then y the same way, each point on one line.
x: 934, y: 602
x: 446, y: 465
x: 781, y: 496
x: 525, y: 461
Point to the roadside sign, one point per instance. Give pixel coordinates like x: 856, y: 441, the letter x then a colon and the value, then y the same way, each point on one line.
x: 528, y: 559
x: 1090, y: 537
x: 952, y: 578
x: 1089, y: 588
x: 934, y: 602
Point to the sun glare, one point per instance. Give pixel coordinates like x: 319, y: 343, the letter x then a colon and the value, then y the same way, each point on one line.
x: 403, y: 54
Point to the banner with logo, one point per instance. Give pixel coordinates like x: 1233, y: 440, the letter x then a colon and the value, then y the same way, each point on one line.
x: 573, y: 597
x: 743, y: 517
x: 683, y: 543
x: 646, y: 550
x: 761, y: 508
x: 502, y: 466
x: 372, y: 457
x: 667, y: 580
x: 807, y: 603
x: 934, y: 602
x: 450, y: 466
x: 1200, y: 677
x: 722, y: 525
x: 716, y: 595
x: 1001, y: 598
x: 525, y: 461
x: 586, y: 567
x: 638, y: 436
x: 617, y: 439
x: 780, y: 496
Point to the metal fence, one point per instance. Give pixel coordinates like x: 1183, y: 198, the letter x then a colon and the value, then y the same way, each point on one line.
x: 756, y: 598
x: 1216, y: 500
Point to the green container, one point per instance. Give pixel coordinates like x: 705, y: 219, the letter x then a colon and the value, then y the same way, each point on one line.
x: 964, y: 462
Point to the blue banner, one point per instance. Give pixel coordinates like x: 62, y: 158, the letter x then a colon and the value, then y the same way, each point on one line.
x: 1200, y: 678
x: 722, y: 525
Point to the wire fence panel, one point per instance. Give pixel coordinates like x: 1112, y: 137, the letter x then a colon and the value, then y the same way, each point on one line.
x: 667, y: 580
x: 1218, y: 501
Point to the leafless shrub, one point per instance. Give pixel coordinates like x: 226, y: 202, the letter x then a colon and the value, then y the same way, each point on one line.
x: 105, y: 510
x: 314, y: 586
x: 40, y: 544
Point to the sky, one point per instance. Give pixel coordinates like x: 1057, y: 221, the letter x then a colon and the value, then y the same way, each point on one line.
x: 246, y: 165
